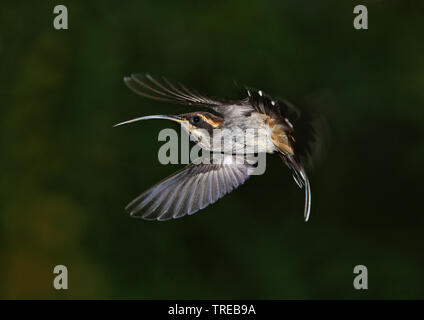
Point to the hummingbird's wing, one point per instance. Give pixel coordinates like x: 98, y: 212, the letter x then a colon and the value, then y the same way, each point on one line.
x: 162, y: 89
x: 191, y: 189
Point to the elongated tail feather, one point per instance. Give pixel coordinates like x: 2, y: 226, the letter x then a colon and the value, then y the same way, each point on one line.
x: 301, y: 179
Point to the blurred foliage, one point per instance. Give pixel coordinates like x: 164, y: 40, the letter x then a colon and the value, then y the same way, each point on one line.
x: 67, y: 174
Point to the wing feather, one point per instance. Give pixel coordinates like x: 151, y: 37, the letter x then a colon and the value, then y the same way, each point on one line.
x: 165, y: 90
x: 162, y: 89
x: 190, y: 189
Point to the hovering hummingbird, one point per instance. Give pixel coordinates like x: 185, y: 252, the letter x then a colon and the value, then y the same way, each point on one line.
x: 198, y: 185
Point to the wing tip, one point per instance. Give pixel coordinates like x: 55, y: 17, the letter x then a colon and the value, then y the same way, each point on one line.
x: 140, y: 215
x: 148, y: 216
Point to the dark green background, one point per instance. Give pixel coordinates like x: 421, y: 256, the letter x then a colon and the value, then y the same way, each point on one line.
x: 66, y: 174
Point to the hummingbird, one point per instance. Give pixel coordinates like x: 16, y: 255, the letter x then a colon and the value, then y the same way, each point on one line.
x: 288, y: 134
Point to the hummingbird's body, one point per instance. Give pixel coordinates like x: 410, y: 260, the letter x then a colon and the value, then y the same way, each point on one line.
x: 235, y: 128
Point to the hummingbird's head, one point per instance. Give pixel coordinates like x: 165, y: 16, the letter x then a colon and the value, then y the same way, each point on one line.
x: 199, y: 125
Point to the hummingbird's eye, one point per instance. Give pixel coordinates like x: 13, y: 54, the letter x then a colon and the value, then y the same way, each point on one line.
x: 195, y: 119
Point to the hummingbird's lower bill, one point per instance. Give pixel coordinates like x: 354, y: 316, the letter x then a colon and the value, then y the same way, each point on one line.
x: 288, y: 133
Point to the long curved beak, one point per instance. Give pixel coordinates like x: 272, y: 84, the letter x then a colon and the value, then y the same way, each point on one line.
x: 172, y: 118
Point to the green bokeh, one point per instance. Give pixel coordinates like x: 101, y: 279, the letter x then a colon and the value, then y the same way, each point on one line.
x: 67, y: 174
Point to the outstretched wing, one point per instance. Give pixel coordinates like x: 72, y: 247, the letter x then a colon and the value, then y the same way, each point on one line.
x: 191, y: 189
x: 162, y: 89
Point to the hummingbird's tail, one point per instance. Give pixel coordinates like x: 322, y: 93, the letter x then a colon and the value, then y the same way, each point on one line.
x: 310, y: 137
x: 301, y: 179
x: 307, y: 185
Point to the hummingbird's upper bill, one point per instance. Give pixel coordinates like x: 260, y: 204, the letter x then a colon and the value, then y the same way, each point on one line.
x: 199, y: 185
x: 172, y: 118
